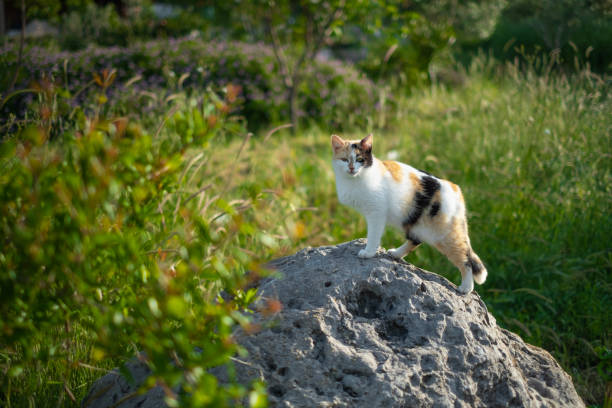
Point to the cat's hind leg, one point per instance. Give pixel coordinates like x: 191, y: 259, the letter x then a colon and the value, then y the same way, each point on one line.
x: 408, y: 246
x: 457, y: 249
x: 467, y: 280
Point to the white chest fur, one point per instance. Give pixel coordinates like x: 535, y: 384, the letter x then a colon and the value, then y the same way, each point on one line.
x: 374, y: 193
x: 365, y: 193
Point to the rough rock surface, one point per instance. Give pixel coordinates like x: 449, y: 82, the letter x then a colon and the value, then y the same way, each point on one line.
x: 113, y: 390
x: 381, y: 333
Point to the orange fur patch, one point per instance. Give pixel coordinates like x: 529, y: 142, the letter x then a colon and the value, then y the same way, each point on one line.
x: 394, y: 169
x: 455, y: 245
x: 341, y: 152
x: 416, y: 181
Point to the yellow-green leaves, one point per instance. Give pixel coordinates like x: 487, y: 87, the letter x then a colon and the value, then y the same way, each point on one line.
x: 176, y: 306
x: 117, y: 234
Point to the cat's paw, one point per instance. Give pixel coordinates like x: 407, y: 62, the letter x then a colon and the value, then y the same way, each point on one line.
x: 396, y: 253
x: 466, y: 287
x: 366, y: 254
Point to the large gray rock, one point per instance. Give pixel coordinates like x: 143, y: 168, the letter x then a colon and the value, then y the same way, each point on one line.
x: 381, y: 333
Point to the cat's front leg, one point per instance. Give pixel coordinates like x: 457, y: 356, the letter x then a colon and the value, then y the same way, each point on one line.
x: 376, y: 227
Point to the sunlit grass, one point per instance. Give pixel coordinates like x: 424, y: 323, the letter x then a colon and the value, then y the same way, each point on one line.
x: 50, y: 384
x: 534, y: 159
x: 533, y: 156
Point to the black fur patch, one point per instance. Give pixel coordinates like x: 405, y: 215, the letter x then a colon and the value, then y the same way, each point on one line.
x: 365, y: 154
x: 476, y: 266
x: 430, y: 185
x: 435, y: 207
x: 422, y: 199
x: 415, y: 241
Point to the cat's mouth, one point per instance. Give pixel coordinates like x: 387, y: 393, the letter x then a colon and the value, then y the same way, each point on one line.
x: 353, y: 172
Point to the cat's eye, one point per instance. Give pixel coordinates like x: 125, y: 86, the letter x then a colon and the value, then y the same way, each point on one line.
x: 344, y: 160
x: 360, y: 160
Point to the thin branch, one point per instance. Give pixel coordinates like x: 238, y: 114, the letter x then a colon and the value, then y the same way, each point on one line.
x: 70, y: 394
x: 310, y: 52
x: 278, y: 51
x: 84, y: 365
x: 325, y: 29
x: 310, y: 23
x: 323, y: 32
x: 167, y: 250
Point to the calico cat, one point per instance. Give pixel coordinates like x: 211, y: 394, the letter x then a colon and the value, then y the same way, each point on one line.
x: 424, y: 207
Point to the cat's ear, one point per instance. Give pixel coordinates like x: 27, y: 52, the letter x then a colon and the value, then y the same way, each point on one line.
x: 337, y: 142
x: 366, y: 143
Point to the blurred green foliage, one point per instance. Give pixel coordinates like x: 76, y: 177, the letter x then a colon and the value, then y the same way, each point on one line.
x: 402, y: 52
x: 48, y: 9
x: 98, y: 25
x: 470, y: 20
x: 577, y: 32
x: 115, y: 240
x: 130, y: 197
x: 155, y: 69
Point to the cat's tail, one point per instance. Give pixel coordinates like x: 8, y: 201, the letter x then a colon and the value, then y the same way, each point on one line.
x: 478, y: 269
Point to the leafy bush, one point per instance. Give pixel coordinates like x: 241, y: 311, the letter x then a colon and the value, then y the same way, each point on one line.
x: 577, y: 32
x: 404, y: 49
x: 334, y: 91
x: 116, y: 240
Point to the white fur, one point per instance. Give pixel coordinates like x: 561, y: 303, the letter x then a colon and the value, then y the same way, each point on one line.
x: 382, y: 201
x: 467, y: 282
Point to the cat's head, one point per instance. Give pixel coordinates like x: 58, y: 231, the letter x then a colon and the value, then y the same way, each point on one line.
x: 352, y: 156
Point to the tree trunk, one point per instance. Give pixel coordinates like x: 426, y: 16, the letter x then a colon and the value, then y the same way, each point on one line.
x: 21, y: 41
x: 293, y: 107
x: 2, y: 22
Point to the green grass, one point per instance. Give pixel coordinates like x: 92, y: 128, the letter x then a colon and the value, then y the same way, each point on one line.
x: 43, y: 385
x: 534, y: 158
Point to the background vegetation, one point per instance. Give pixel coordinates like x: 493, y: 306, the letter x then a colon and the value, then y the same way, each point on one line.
x: 147, y: 172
